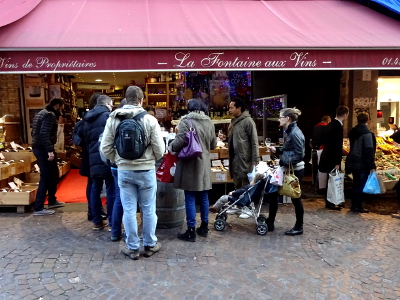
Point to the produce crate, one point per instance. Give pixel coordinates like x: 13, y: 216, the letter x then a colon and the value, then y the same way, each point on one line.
x: 26, y: 197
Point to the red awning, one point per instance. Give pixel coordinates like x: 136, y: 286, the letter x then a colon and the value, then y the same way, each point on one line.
x: 12, y: 10
x: 198, y: 34
x: 197, y: 24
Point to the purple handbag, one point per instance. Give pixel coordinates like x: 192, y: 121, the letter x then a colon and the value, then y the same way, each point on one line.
x: 192, y: 147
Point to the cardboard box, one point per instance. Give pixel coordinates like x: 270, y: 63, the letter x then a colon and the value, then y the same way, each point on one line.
x: 75, y: 160
x: 220, y: 176
x: 17, y: 156
x: 32, y: 177
x: 4, y: 171
x: 264, y: 151
x: 66, y: 168
x: 26, y: 197
x: 60, y: 171
x: 223, y: 153
x: 13, y: 169
x: 214, y: 154
x: 20, y: 167
x: 27, y: 157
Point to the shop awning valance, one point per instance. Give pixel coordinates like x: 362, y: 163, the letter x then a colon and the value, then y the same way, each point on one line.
x: 68, y: 35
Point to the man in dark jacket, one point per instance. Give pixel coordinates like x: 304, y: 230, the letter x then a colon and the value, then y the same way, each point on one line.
x: 317, y: 143
x: 94, y: 122
x: 44, y: 136
x: 243, y: 143
x: 331, y: 155
x: 361, y: 159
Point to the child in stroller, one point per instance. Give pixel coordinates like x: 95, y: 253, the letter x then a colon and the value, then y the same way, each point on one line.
x: 246, y: 197
x: 234, y: 195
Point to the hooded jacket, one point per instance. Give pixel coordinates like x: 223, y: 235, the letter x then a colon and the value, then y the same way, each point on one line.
x: 44, y: 129
x: 362, y: 149
x: 243, y: 145
x: 194, y: 174
x: 155, y: 149
x: 293, y: 147
x: 94, y: 123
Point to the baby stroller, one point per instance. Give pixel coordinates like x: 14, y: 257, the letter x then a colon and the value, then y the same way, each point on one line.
x: 248, y: 198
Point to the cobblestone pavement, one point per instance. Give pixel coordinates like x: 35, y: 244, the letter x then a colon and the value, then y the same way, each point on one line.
x: 340, y: 256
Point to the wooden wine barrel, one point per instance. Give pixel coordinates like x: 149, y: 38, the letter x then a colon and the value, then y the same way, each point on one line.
x: 170, y: 206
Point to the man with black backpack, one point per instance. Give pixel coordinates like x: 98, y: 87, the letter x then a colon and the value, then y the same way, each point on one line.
x: 132, y: 140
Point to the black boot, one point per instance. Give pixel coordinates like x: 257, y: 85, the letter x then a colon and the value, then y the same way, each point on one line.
x: 270, y: 224
x: 203, y: 229
x: 189, y: 235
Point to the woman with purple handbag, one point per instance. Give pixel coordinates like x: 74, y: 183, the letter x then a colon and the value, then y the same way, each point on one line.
x: 194, y: 140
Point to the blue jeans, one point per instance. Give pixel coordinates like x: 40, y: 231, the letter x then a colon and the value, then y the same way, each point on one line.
x: 190, y: 203
x: 117, y: 211
x: 95, y: 201
x: 139, y: 187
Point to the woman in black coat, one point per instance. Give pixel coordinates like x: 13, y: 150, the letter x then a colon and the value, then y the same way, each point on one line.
x: 292, y: 154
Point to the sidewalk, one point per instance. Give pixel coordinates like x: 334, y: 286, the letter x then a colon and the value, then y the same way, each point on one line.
x: 340, y: 256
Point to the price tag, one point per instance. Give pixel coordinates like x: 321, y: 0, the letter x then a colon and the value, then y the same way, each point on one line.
x: 18, y: 182
x: 266, y: 157
x: 37, y: 169
x: 12, y: 185
x: 13, y: 145
x: 216, y: 163
x: 220, y: 177
x: 214, y: 155
x: 225, y: 162
x: 2, y: 156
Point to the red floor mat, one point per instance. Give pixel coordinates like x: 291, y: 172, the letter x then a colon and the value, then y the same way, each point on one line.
x: 72, y: 188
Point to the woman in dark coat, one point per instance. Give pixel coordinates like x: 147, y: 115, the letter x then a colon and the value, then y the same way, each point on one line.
x: 292, y: 154
x: 361, y: 159
x: 194, y: 175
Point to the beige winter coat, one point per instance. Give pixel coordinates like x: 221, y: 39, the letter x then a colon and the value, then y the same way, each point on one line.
x: 243, y: 136
x: 195, y: 174
x: 154, y: 151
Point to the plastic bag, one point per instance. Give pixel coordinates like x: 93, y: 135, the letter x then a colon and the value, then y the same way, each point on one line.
x: 166, y: 171
x: 103, y: 193
x: 372, y: 185
x: 335, y: 193
x: 381, y: 183
x: 251, y: 175
x: 277, y: 177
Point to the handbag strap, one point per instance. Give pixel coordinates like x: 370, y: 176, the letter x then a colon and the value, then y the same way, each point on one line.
x: 191, y: 128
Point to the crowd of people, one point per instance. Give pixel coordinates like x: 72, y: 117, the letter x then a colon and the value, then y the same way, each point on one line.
x: 131, y: 183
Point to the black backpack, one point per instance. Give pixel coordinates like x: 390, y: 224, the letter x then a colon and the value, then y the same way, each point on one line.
x: 130, y: 138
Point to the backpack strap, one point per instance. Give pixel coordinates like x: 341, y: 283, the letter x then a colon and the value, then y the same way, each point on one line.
x: 139, y: 115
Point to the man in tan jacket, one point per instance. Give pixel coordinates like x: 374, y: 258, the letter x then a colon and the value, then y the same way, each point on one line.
x: 243, y: 143
x: 136, y: 178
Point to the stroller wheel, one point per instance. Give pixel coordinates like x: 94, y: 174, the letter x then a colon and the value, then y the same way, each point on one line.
x: 262, y: 229
x: 219, y: 225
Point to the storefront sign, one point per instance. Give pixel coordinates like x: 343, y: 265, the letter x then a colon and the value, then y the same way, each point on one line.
x: 141, y: 60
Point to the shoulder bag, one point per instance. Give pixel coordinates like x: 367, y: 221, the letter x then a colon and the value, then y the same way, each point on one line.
x: 192, y: 147
x: 291, y: 185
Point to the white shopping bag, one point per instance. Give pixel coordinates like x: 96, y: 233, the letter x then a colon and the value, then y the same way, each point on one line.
x: 59, y: 146
x: 335, y: 187
x: 322, y: 180
x: 277, y: 177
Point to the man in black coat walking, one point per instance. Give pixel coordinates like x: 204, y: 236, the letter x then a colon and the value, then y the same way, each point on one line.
x: 94, y: 122
x: 44, y: 136
x: 331, y: 155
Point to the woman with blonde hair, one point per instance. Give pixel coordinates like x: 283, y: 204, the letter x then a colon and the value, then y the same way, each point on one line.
x: 292, y: 153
